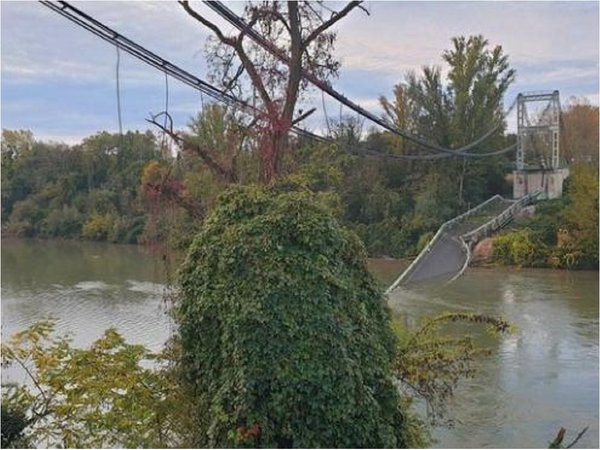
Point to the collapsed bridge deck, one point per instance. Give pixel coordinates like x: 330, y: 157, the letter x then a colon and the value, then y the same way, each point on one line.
x: 448, y: 253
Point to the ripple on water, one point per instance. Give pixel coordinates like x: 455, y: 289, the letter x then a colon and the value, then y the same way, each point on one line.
x: 146, y: 287
x: 92, y: 285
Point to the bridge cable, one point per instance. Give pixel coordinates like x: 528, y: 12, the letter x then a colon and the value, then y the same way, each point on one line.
x: 109, y: 35
x: 241, y: 25
x: 118, y: 88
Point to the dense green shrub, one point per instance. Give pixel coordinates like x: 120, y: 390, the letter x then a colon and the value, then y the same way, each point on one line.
x: 518, y: 248
x: 286, y: 341
x: 64, y: 222
x: 563, y: 233
x: 13, y: 424
x: 25, y: 218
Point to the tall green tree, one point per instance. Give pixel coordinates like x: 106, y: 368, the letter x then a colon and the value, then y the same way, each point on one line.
x: 468, y: 107
x: 478, y: 79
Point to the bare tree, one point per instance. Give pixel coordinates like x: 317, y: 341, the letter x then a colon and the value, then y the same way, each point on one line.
x: 301, y: 39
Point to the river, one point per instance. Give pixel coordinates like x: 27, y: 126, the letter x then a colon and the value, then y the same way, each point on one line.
x: 541, y: 377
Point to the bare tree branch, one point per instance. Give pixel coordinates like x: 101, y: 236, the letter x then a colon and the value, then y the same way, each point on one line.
x: 255, y: 18
x: 238, y: 74
x: 364, y: 9
x: 185, y: 145
x: 581, y: 433
x: 332, y: 20
x: 207, y: 23
x: 37, y: 385
x: 303, y: 116
x: 254, y: 75
x: 237, y: 46
x: 173, y: 135
x: 315, y: 12
x: 266, y: 12
x: 295, y: 61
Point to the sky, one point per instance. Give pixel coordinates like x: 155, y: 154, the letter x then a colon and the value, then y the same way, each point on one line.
x: 59, y: 81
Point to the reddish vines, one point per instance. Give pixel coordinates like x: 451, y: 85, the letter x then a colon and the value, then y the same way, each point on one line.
x: 302, y: 36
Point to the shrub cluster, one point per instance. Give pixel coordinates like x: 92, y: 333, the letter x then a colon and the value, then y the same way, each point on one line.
x: 285, y: 338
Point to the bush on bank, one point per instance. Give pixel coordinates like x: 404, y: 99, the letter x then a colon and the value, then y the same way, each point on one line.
x: 562, y: 234
x: 285, y: 338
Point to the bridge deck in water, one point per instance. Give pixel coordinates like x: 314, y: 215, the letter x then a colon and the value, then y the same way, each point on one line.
x: 447, y: 255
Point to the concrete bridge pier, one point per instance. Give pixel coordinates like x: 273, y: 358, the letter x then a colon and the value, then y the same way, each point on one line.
x: 548, y: 181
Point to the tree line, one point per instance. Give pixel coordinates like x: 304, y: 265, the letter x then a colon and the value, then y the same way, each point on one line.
x: 283, y: 338
x: 130, y: 189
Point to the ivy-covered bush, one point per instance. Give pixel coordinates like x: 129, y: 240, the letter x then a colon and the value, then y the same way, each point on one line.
x: 285, y: 338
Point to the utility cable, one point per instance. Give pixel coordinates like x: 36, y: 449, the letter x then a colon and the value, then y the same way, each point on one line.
x: 109, y: 35
x: 119, y: 92
x: 241, y: 25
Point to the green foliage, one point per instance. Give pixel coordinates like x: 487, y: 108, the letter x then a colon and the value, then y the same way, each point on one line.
x: 285, y: 337
x: 53, y: 190
x: 519, y: 248
x: 103, y: 396
x: 581, y: 214
x: 13, y: 424
x: 424, y: 240
x: 562, y: 234
x: 65, y: 222
x: 430, y: 363
x: 98, y: 227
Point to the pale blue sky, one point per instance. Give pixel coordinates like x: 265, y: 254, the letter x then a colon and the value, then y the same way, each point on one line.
x: 58, y: 80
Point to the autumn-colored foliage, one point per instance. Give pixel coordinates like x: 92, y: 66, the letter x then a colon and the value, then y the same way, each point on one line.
x: 579, y: 132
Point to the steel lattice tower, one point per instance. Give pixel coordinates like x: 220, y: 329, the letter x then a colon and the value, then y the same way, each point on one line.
x: 545, y: 132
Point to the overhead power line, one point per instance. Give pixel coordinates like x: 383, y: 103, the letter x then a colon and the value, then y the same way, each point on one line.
x: 431, y: 156
x: 241, y: 25
x: 111, y: 36
x: 121, y: 42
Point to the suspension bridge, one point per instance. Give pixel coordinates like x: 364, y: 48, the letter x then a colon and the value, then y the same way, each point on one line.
x: 538, y: 175
x: 448, y: 253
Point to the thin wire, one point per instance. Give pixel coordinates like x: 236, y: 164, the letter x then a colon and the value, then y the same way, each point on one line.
x: 164, y: 135
x: 166, y: 97
x: 325, y: 113
x: 119, y: 92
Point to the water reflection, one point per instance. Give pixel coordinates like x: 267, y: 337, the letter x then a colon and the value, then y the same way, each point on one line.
x: 543, y: 376
x: 540, y: 378
x: 87, y: 287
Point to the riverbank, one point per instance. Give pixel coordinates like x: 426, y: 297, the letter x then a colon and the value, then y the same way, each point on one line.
x: 543, y: 376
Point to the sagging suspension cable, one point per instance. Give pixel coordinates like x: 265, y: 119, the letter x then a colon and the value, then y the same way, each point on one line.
x: 117, y: 69
x: 165, y: 123
x: 241, y: 25
x: 325, y: 113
